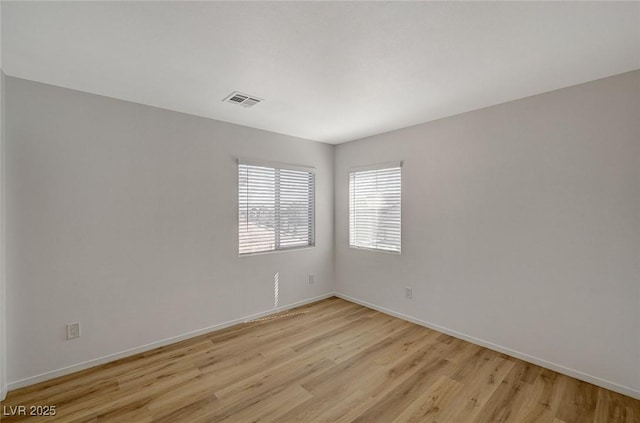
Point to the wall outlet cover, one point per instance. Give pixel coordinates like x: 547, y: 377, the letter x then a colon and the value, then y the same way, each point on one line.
x: 73, y: 330
x: 408, y: 292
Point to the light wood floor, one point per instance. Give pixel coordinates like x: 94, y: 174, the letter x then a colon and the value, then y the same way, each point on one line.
x: 331, y: 361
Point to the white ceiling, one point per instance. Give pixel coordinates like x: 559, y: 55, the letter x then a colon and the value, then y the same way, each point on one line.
x: 329, y: 71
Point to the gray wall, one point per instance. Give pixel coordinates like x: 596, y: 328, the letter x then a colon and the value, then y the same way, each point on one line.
x: 3, y: 354
x: 521, y: 228
x: 3, y: 328
x: 123, y: 217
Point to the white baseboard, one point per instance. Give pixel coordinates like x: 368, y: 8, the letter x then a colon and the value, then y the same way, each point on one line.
x: 625, y: 390
x: 122, y: 354
x: 531, y: 359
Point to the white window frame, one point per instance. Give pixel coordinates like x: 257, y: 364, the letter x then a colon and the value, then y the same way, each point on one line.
x: 278, y: 166
x: 380, y: 166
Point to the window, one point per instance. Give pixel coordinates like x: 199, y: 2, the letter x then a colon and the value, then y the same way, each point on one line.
x: 374, y: 208
x: 275, y: 208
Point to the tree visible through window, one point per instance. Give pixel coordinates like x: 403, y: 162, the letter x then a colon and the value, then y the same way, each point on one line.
x: 375, y: 209
x: 275, y: 208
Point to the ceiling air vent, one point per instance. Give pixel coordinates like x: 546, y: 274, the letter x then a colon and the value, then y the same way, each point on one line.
x: 243, y: 100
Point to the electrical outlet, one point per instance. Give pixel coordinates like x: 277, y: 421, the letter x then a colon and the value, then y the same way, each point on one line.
x: 408, y: 292
x: 312, y: 279
x: 73, y: 330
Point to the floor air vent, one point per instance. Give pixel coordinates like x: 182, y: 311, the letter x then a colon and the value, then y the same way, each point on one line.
x: 243, y: 100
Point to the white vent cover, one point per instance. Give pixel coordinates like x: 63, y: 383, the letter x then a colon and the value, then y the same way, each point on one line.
x: 243, y: 100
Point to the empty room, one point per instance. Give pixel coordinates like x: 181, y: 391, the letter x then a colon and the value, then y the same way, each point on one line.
x: 329, y: 212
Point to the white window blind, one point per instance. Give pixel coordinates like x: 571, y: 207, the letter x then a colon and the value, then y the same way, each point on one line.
x: 374, y: 208
x: 276, y: 208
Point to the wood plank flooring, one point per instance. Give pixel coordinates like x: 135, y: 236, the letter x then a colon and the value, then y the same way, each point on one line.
x: 331, y: 361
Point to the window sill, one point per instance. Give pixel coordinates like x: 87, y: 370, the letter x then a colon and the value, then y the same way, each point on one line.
x: 285, y: 250
x: 376, y: 250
